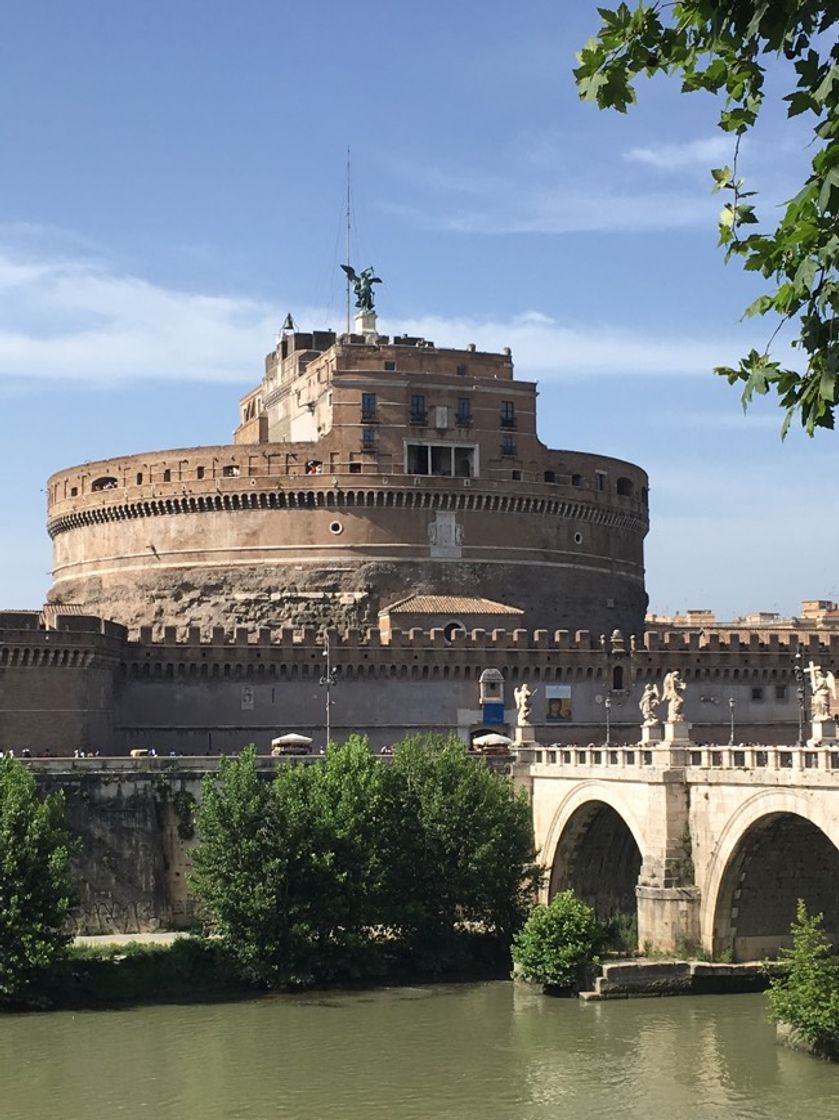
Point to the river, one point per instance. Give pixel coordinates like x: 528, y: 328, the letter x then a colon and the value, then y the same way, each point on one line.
x: 489, y: 1051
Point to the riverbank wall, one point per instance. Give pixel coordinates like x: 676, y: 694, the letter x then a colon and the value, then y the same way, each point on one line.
x: 134, y: 819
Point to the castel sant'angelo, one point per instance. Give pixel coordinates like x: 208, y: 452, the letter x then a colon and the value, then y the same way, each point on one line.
x: 390, y: 498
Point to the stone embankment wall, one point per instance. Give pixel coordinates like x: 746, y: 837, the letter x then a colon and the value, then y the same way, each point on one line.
x: 134, y: 820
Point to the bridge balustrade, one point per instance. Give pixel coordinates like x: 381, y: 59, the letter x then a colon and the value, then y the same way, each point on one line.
x: 747, y: 757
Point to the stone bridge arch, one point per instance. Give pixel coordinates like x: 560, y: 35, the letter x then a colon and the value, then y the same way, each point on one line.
x: 595, y: 846
x: 778, y: 846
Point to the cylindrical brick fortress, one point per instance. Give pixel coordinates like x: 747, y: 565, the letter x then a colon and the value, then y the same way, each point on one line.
x: 363, y: 470
x: 229, y: 535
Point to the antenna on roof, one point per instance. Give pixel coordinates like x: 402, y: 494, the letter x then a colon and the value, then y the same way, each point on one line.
x: 349, y: 235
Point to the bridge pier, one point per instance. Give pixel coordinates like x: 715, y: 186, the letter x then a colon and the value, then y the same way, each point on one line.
x: 668, y: 919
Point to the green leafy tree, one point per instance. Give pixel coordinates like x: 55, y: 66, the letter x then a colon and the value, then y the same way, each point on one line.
x: 722, y: 47
x: 555, y: 940
x: 806, y: 997
x: 254, y: 871
x: 459, y: 844
x: 289, y: 871
x: 330, y: 869
x: 35, y: 882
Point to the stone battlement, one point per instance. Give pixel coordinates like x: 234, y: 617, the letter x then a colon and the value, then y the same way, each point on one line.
x: 65, y: 630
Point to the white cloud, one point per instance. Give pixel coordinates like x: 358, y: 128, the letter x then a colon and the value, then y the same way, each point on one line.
x: 711, y: 151
x: 547, y: 350
x: 560, y: 210
x: 80, y: 320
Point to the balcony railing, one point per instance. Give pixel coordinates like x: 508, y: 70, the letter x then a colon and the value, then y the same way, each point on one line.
x: 508, y: 423
x: 418, y: 419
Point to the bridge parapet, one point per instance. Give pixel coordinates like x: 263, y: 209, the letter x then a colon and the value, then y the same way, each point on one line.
x: 759, y: 764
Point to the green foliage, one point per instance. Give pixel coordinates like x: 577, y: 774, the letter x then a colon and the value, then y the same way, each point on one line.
x: 187, y: 969
x: 184, y: 806
x: 720, y: 46
x: 459, y: 844
x: 555, y: 940
x: 342, y: 868
x: 35, y: 885
x: 807, y: 996
x: 620, y: 934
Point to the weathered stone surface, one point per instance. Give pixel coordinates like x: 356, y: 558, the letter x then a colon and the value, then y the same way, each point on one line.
x: 644, y: 978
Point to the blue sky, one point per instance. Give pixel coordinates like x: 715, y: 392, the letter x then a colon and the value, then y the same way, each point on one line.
x: 172, y: 184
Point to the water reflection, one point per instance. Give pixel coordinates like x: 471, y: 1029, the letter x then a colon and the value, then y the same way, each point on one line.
x: 488, y: 1051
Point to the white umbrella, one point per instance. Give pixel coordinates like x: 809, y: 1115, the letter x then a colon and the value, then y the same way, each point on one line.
x: 492, y: 739
x: 289, y: 742
x: 291, y: 739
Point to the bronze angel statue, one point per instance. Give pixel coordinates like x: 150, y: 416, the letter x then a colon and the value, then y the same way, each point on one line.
x: 363, y: 285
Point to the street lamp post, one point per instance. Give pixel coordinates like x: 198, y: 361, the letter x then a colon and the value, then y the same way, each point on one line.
x: 731, y: 721
x: 328, y: 681
x: 801, y: 691
x: 607, y: 704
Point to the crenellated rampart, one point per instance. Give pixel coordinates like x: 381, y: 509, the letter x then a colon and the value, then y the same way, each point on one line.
x: 81, y: 684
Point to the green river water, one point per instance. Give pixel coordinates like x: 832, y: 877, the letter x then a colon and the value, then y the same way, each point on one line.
x: 494, y: 1051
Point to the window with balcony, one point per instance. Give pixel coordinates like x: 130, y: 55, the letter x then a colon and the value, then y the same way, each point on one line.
x: 508, y: 414
x: 418, y: 413
x: 440, y: 460
x: 368, y: 407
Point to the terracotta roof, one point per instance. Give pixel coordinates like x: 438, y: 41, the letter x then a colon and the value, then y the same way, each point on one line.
x: 449, y: 604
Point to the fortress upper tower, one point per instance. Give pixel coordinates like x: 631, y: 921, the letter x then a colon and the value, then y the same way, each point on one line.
x: 363, y: 469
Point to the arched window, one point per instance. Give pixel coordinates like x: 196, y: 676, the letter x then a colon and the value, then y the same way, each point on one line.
x: 625, y: 487
x: 106, y: 482
x: 617, y: 678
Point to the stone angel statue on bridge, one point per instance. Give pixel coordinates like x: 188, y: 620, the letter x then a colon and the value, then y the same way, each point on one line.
x: 362, y: 283
x: 823, y: 686
x: 522, y: 696
x: 672, y: 694
x: 650, y: 700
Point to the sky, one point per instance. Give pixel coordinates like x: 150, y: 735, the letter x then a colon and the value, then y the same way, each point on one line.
x: 172, y: 183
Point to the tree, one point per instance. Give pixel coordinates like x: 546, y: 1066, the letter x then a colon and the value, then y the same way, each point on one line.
x: 252, y: 870
x: 459, y: 846
x: 290, y: 871
x: 721, y: 46
x: 35, y: 885
x: 331, y: 869
x: 555, y: 940
x: 806, y: 997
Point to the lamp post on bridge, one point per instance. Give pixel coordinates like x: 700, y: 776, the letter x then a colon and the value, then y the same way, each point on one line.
x: 731, y: 721
x: 607, y: 704
x: 328, y: 681
x: 801, y: 691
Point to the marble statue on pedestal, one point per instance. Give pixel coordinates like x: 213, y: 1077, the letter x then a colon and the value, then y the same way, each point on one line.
x: 823, y: 686
x: 650, y: 700
x: 523, y: 695
x: 672, y: 694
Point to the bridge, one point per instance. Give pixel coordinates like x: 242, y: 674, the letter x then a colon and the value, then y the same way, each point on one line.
x: 710, y: 847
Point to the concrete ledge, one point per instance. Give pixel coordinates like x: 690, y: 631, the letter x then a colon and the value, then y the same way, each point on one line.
x: 639, y: 979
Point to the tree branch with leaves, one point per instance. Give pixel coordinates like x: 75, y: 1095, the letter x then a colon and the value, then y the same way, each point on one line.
x: 723, y: 47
